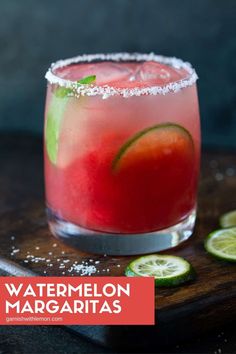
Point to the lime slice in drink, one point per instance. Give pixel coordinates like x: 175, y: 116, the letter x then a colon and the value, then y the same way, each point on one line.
x: 59, y: 100
x: 167, y: 270
x: 222, y: 244
x: 154, y: 143
x: 228, y: 219
x: 53, y: 122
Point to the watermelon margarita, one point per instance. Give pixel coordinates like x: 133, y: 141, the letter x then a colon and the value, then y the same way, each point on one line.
x: 122, y: 147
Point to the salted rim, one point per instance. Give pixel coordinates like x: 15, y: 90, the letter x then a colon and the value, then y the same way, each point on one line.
x: 106, y: 90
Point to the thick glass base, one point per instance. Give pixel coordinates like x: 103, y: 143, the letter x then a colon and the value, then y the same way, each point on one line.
x: 121, y: 244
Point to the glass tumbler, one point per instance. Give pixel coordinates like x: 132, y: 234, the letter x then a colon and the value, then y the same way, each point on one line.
x: 122, y: 152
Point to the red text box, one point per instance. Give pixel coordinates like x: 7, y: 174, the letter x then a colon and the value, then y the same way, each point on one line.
x: 79, y: 300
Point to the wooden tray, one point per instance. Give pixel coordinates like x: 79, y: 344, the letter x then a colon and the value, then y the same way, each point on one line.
x: 207, y: 302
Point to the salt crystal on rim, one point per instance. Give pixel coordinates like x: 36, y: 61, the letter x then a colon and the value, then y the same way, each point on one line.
x: 107, y: 91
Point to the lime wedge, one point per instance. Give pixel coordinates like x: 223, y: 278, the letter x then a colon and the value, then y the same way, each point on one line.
x: 55, y: 114
x: 222, y: 244
x: 155, y: 142
x: 87, y: 80
x: 167, y: 270
x: 53, y: 122
x: 228, y: 219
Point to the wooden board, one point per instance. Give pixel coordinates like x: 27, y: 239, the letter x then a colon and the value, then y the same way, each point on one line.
x: 207, y: 302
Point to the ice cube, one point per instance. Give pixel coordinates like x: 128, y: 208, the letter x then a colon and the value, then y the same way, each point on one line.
x: 153, y: 72
x: 106, y: 72
x: 76, y: 72
x: 156, y: 73
x: 109, y: 72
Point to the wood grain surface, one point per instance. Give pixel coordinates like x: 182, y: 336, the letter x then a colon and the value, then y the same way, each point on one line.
x: 203, y: 304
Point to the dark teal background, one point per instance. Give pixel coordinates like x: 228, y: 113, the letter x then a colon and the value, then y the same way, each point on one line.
x: 35, y: 33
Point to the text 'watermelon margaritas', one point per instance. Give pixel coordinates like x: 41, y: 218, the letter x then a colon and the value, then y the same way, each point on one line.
x: 122, y: 147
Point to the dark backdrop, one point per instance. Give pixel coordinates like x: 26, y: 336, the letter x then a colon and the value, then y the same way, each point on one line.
x: 34, y: 33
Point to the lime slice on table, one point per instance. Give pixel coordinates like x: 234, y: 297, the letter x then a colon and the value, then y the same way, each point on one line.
x: 228, y: 219
x: 222, y: 244
x: 59, y: 100
x: 158, y: 140
x: 167, y: 270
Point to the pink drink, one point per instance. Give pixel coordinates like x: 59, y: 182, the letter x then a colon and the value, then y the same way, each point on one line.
x: 122, y: 159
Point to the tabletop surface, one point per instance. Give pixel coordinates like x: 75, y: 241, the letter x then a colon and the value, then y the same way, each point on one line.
x: 22, y: 219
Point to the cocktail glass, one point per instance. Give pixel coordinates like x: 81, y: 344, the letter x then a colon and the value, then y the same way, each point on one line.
x: 122, y: 151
